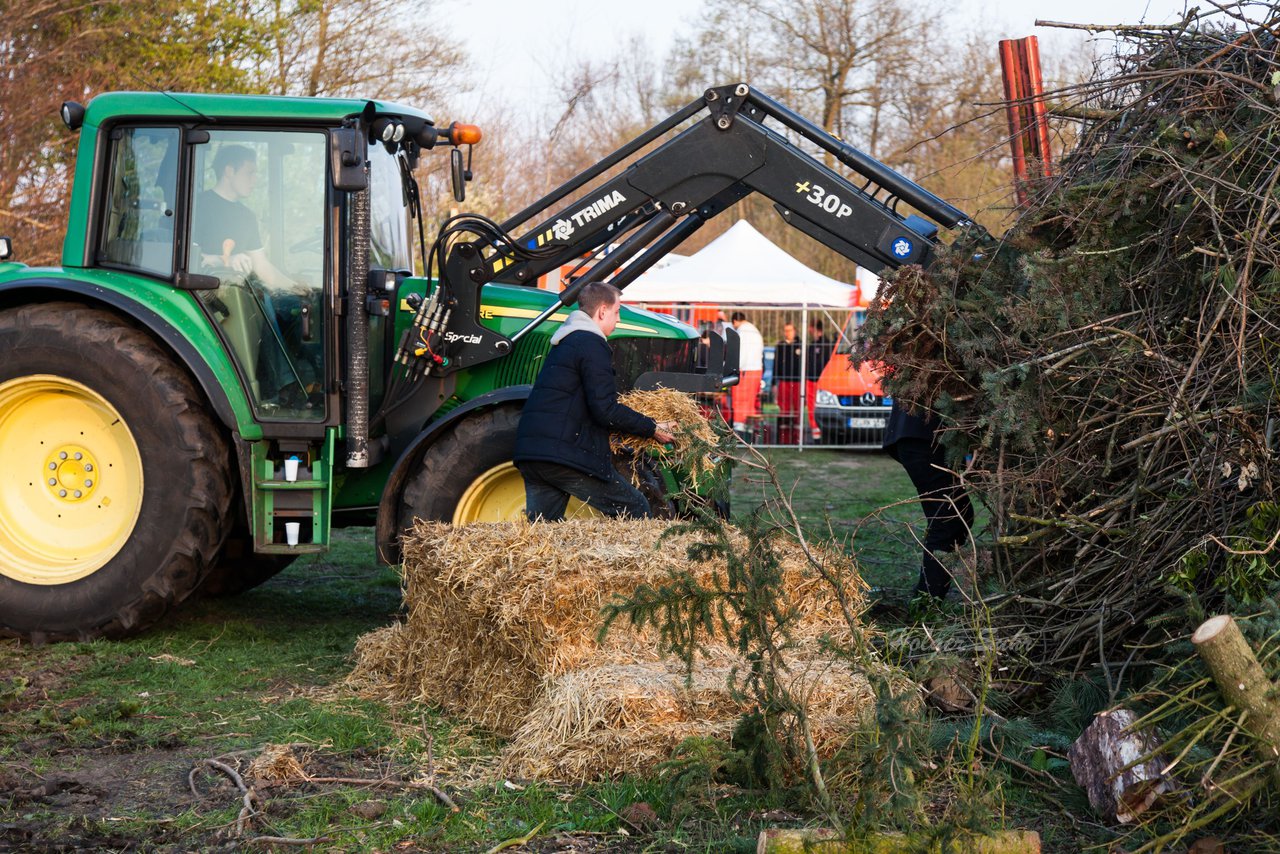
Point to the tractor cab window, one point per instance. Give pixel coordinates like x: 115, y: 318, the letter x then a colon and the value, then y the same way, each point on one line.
x: 137, y: 232
x: 258, y: 225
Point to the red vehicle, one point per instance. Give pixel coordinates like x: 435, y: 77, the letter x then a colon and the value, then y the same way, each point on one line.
x: 850, y: 407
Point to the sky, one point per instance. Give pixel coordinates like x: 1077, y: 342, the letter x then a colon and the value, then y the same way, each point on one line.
x: 518, y: 46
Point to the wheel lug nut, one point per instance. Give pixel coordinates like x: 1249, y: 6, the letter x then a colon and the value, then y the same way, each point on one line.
x: 79, y: 456
x: 88, y: 466
x: 53, y: 466
x: 62, y: 493
x: 77, y: 493
x: 88, y: 483
x: 62, y: 455
x: 53, y: 481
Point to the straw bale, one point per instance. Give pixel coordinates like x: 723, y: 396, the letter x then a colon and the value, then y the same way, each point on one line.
x: 495, y: 611
x: 608, y: 720
x: 381, y: 657
x: 693, y: 433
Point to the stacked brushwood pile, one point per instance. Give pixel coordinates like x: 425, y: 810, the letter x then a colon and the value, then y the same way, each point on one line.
x: 1111, y: 363
x: 503, y: 629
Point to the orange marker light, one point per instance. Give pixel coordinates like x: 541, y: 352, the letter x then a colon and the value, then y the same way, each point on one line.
x: 460, y: 134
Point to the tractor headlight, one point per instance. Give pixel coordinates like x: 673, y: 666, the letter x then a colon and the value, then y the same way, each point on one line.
x: 72, y: 115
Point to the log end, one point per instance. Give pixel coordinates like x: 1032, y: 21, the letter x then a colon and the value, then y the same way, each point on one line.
x: 1211, y: 628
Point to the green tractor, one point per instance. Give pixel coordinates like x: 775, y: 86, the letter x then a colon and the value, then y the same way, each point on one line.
x: 235, y: 356
x: 222, y: 369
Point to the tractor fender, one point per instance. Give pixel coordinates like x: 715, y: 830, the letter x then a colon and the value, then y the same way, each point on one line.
x: 387, y: 537
x: 40, y: 288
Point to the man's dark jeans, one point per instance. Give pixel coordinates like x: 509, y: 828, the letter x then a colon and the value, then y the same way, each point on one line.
x: 947, y: 511
x: 547, y: 487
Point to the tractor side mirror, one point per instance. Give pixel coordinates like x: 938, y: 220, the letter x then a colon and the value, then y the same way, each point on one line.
x: 346, y: 156
x: 459, y: 174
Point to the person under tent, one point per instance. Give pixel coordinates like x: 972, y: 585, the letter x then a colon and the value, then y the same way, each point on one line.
x: 744, y: 398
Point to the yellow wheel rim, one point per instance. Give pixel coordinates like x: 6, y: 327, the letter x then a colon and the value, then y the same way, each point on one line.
x: 498, y: 496
x: 70, y: 480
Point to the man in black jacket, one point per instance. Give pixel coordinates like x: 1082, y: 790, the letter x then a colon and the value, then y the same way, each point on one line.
x: 911, y: 440
x: 562, y: 442
x: 786, y: 373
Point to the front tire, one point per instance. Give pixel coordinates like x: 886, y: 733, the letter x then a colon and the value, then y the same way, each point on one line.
x: 114, y: 477
x: 468, y: 476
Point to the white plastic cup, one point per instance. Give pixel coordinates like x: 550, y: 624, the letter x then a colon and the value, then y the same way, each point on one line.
x: 292, y: 530
x: 291, y: 469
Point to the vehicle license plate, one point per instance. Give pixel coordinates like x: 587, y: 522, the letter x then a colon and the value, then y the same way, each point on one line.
x: 866, y: 422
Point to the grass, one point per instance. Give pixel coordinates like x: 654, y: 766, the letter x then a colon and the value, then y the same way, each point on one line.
x: 862, y: 500
x: 96, y: 739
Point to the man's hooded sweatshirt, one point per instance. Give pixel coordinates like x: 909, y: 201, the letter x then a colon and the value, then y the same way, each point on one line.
x: 574, y: 403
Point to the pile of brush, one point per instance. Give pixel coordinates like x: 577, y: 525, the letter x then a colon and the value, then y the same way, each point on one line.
x: 503, y: 628
x: 1112, y: 363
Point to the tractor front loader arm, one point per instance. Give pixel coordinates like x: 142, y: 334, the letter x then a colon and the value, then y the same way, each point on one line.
x: 659, y: 200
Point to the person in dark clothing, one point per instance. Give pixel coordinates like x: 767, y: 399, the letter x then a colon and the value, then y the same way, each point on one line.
x: 819, y: 353
x: 786, y: 373
x: 562, y: 441
x: 912, y: 441
x: 226, y: 229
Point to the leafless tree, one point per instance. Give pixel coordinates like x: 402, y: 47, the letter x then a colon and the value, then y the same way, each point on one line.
x: 367, y: 48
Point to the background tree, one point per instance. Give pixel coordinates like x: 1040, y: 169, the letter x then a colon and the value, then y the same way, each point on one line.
x: 904, y: 87
x: 54, y: 50
x: 57, y: 50
x: 359, y: 48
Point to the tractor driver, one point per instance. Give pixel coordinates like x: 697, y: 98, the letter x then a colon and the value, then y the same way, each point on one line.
x: 226, y: 229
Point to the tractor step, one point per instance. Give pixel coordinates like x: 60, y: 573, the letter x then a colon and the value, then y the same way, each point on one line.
x: 292, y: 485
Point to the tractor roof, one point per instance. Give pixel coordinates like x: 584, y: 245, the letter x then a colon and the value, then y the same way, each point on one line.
x: 184, y: 105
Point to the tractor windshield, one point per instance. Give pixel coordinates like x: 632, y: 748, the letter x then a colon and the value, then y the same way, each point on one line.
x: 389, y: 211
x: 390, y: 248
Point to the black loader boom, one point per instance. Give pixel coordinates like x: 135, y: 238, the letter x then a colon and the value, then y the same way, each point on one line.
x: 657, y: 202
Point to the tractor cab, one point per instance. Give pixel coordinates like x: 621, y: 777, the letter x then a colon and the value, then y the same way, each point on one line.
x: 246, y: 219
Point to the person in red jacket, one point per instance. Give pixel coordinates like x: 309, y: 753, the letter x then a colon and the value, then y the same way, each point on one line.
x: 562, y: 441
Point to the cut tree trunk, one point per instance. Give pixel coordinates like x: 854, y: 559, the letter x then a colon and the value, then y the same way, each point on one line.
x: 1243, y: 684
x: 1103, y: 762
x: 778, y: 840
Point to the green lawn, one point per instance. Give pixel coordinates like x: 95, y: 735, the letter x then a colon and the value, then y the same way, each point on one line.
x: 97, y: 739
x: 862, y: 500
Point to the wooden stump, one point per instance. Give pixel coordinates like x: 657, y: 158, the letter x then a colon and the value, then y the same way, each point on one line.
x: 1243, y: 684
x: 1098, y: 762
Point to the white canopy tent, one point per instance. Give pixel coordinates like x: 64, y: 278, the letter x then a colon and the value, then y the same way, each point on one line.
x: 742, y: 267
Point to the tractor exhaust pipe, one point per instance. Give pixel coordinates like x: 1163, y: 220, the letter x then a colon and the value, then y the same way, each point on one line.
x: 357, y: 392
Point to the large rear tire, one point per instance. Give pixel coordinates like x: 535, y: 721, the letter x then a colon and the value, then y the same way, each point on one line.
x: 115, y: 479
